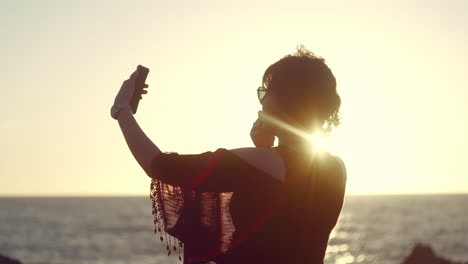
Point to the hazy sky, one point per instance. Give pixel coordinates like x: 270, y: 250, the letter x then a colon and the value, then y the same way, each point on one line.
x: 400, y: 68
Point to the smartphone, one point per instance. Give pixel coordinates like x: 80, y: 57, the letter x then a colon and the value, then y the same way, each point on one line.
x: 261, y: 137
x: 139, y: 83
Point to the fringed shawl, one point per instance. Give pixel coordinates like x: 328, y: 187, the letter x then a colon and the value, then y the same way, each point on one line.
x: 200, y: 221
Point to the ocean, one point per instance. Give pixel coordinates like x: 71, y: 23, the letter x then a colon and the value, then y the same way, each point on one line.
x: 371, y: 229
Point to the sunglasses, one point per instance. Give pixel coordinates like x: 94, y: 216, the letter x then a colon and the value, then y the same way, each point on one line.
x: 261, y: 92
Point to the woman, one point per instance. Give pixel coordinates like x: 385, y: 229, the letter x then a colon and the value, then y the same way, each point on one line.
x: 253, y: 205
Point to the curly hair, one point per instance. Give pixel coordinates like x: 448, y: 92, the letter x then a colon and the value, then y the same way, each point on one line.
x: 307, y: 90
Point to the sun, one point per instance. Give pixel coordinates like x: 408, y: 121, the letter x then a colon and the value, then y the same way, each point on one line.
x: 319, y: 142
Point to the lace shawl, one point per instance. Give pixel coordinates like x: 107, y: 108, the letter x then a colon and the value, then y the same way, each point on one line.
x: 199, y: 222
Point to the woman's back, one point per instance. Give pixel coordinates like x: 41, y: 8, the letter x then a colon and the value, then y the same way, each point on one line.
x: 288, y: 222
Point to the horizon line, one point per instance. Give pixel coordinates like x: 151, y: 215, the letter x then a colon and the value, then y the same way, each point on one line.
x: 109, y: 195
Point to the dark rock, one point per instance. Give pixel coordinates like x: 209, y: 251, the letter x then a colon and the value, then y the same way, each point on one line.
x: 7, y: 260
x: 423, y: 254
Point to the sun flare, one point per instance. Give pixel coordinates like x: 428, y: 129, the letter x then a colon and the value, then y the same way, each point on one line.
x: 319, y: 141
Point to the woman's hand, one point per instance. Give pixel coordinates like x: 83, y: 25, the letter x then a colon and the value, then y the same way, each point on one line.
x: 260, y: 136
x: 127, y: 89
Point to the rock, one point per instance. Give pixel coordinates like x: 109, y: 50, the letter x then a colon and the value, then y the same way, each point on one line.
x: 424, y: 254
x: 7, y: 260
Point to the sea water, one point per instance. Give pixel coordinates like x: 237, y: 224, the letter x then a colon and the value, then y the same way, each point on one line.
x: 371, y: 229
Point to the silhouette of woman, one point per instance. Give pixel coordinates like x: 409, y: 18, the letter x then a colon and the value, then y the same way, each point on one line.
x: 263, y: 204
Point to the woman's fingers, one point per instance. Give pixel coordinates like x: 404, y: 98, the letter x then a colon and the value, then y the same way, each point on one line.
x: 145, y: 86
x: 258, y: 122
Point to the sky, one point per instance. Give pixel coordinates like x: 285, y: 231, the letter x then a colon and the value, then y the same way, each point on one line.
x: 400, y: 70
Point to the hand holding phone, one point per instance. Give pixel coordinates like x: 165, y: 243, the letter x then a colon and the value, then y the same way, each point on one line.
x: 260, y: 136
x: 139, y: 85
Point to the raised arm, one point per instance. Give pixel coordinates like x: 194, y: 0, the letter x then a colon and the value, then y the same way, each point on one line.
x: 142, y: 148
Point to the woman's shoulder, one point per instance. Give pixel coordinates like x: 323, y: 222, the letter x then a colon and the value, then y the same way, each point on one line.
x: 341, y: 165
x: 273, y: 163
x: 335, y: 169
x: 268, y: 160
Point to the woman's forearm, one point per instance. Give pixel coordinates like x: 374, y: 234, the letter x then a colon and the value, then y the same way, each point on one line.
x: 142, y: 148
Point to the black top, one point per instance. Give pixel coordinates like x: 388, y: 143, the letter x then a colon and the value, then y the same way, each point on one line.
x: 223, y: 209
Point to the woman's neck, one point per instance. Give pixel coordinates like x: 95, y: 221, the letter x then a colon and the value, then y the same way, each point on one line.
x: 298, y: 144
